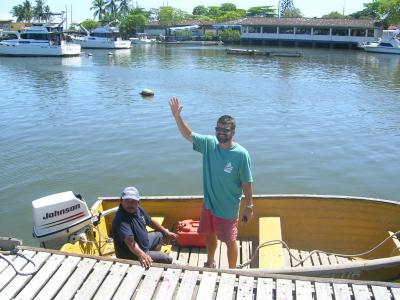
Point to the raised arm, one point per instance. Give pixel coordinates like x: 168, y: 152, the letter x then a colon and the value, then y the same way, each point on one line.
x: 183, y: 127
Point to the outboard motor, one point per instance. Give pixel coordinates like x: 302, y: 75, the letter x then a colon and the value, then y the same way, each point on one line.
x: 58, y: 218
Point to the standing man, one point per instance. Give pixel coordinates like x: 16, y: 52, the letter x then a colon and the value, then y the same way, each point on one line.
x: 226, y: 174
x: 131, y: 239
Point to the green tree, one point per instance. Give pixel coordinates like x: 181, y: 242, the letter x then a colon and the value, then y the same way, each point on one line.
x: 27, y: 10
x: 292, y: 13
x: 38, y: 11
x: 124, y: 7
x: 390, y: 9
x: 232, y: 15
x: 261, y: 11
x: 214, y: 12
x: 230, y: 36
x: 334, y: 15
x: 132, y: 24
x: 90, y: 24
x: 370, y: 11
x: 200, y: 10
x: 170, y: 16
x: 112, y: 7
x: 18, y: 12
x: 99, y: 7
x: 228, y: 7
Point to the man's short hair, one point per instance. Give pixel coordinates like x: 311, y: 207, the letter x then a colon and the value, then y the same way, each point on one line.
x: 227, y: 120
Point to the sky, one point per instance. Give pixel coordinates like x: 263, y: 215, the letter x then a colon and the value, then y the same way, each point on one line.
x: 81, y: 8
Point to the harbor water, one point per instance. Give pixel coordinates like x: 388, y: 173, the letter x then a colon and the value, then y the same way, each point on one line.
x: 324, y: 123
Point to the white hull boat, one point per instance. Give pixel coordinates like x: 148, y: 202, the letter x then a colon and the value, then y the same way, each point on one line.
x: 39, y: 40
x: 388, y: 43
x: 102, y: 37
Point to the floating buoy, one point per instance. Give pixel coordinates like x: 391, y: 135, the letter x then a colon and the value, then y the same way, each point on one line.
x: 89, y: 54
x: 147, y: 92
x: 110, y: 53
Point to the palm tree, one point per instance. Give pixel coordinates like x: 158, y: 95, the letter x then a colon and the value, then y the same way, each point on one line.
x: 18, y: 11
x: 124, y: 7
x: 27, y: 7
x: 99, y: 7
x: 39, y: 10
x: 112, y: 7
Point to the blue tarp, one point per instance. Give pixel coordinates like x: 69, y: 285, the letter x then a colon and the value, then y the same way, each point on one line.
x: 226, y: 26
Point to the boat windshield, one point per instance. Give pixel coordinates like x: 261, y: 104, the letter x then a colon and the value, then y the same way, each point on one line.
x: 110, y: 35
x: 8, y: 36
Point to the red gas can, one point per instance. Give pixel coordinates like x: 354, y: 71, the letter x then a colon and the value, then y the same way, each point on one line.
x: 188, y: 236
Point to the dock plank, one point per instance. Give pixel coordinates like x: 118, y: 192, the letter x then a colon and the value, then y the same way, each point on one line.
x: 245, y: 288
x: 169, y: 284
x: 265, y: 287
x: 323, y: 291
x: 217, y: 253
x: 207, y: 285
x: 57, y: 280
x: 380, y: 292
x: 129, y: 283
x: 149, y: 284
x: 112, y: 281
x: 4, y: 263
x: 324, y: 259
x: 9, y: 273
x: 94, y: 280
x: 305, y: 255
x: 174, y: 252
x: 284, y: 289
x: 315, y: 259
x: 45, y: 273
x: 303, y: 290
x: 332, y: 259
x: 194, y: 256
x: 341, y: 291
x: 19, y: 281
x: 244, y: 248
x: 184, y: 254
x: 226, y: 286
x: 396, y: 293
x: 202, y: 257
x: 361, y: 292
x: 187, y: 285
x: 76, y: 279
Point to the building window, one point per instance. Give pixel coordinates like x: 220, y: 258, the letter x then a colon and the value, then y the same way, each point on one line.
x: 321, y: 31
x: 340, y: 31
x: 254, y: 29
x: 358, y: 32
x: 286, y: 30
x: 370, y: 33
x: 303, y: 30
x: 269, y: 29
x: 244, y: 29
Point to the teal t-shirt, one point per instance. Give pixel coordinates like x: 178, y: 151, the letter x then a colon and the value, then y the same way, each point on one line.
x: 224, y: 171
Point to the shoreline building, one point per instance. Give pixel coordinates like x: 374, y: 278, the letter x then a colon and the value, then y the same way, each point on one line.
x: 334, y: 33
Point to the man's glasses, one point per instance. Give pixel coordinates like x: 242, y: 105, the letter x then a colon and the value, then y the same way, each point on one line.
x: 225, y: 130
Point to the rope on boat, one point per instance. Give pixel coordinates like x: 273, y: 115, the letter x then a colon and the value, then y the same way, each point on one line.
x: 14, y: 251
x: 274, y: 242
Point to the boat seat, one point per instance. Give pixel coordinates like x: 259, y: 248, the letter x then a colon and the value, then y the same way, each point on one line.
x: 396, y: 248
x: 271, y: 256
x: 159, y: 220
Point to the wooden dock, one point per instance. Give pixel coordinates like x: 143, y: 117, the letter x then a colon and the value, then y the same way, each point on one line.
x: 66, y: 276
x: 263, y: 52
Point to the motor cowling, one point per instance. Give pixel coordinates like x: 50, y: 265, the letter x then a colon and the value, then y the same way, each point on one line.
x: 56, y: 217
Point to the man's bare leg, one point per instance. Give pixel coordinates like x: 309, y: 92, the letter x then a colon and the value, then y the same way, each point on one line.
x: 211, y: 241
x: 232, y: 252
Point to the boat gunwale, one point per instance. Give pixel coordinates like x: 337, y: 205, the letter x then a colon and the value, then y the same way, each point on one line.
x: 238, y: 272
x: 260, y: 196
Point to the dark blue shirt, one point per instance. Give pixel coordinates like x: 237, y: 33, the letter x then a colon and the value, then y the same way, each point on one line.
x: 126, y: 224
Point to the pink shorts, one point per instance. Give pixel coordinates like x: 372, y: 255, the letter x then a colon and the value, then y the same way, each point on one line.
x: 225, y: 229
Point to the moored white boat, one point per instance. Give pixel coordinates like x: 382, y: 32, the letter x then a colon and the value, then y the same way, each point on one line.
x: 102, y: 37
x: 356, y: 238
x: 39, y: 40
x: 142, y: 39
x: 388, y: 43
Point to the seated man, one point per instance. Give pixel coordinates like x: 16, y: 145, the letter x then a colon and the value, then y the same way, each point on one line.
x: 131, y: 239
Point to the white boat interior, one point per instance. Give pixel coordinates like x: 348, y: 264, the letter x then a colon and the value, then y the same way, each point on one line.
x: 38, y: 40
x: 102, y: 37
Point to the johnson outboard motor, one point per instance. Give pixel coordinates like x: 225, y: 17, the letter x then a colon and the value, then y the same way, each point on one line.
x: 59, y: 219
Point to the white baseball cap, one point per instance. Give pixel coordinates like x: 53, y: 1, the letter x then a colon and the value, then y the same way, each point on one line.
x: 130, y: 193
